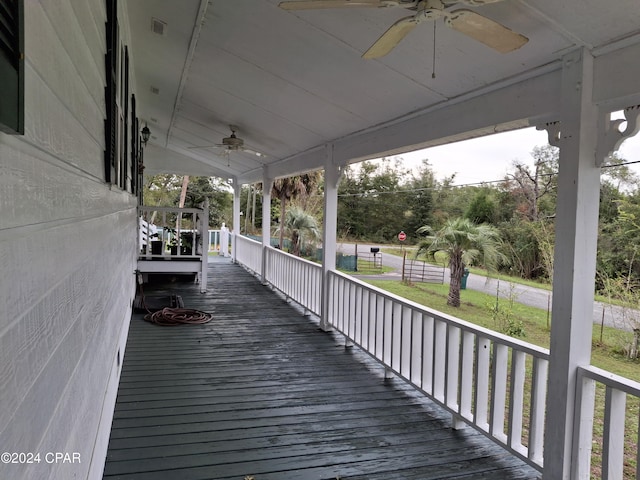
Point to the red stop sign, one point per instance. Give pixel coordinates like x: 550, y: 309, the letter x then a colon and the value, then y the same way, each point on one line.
x: 402, y: 236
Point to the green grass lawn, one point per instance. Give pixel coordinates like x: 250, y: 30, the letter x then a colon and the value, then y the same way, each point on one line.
x: 366, y: 267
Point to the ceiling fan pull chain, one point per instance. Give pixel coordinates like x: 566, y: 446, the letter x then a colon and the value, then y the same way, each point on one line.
x: 433, y: 73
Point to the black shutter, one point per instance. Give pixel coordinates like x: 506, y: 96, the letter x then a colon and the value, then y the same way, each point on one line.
x: 110, y: 91
x: 126, y: 185
x: 11, y: 67
x: 134, y: 146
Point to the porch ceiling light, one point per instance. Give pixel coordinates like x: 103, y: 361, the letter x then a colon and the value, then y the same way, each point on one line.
x: 146, y: 133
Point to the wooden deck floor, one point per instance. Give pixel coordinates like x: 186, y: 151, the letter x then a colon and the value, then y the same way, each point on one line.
x: 260, y: 392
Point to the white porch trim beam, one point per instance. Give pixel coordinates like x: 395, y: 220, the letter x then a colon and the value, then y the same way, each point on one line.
x: 575, y: 259
x: 615, y: 85
x: 515, y: 106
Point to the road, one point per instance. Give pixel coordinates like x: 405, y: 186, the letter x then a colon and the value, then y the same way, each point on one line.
x: 614, y: 316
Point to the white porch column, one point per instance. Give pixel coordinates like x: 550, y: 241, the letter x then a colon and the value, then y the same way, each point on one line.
x: 575, y: 258
x: 332, y: 175
x: 236, y: 217
x: 267, y: 185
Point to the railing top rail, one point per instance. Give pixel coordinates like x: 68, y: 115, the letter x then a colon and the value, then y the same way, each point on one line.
x: 467, y: 326
x: 611, y: 379
x: 146, y: 208
x: 244, y: 238
x: 277, y: 251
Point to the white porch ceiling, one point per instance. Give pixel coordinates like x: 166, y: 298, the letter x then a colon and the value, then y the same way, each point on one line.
x: 294, y: 81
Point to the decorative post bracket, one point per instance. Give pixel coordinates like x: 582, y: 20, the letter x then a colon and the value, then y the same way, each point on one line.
x: 610, y: 137
x: 553, y: 132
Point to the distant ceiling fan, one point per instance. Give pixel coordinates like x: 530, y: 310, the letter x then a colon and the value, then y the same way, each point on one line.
x: 232, y: 143
x: 467, y: 22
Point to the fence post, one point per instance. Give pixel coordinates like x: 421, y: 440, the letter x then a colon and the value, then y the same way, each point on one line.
x: 404, y: 261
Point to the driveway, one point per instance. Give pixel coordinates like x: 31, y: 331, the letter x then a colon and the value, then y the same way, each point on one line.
x: 614, y: 316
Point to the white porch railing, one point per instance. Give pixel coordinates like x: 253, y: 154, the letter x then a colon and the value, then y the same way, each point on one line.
x: 475, y: 373
x: 493, y: 382
x: 613, y: 418
x: 248, y: 252
x: 298, y: 279
x: 172, y: 240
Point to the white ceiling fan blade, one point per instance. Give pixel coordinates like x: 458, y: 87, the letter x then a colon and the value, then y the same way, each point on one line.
x: 253, y: 152
x: 324, y: 4
x: 202, y: 146
x: 392, y: 37
x: 487, y: 31
x: 476, y: 3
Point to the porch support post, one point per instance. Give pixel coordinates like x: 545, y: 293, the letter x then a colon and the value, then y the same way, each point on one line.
x: 332, y: 175
x: 575, y: 259
x: 267, y: 185
x: 236, y: 217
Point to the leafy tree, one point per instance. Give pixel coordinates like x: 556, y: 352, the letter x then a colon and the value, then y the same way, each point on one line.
x: 372, y: 201
x: 482, y: 208
x: 164, y: 191
x: 520, y: 246
x: 532, y: 186
x: 160, y: 190
x: 620, y: 175
x: 251, y: 198
x: 420, y: 200
x: 464, y: 242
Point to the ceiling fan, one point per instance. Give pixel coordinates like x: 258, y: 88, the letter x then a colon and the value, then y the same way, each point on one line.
x: 232, y: 143
x: 467, y: 22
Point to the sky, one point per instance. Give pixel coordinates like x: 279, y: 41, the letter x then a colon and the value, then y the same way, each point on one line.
x: 490, y: 158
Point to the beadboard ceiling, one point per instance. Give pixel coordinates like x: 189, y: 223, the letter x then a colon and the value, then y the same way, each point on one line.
x: 294, y: 82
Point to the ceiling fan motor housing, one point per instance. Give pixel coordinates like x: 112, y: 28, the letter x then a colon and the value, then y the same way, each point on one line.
x: 233, y: 141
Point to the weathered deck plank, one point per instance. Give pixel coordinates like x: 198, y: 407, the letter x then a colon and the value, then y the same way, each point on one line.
x: 261, y: 391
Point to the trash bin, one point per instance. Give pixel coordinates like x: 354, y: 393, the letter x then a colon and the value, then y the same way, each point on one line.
x: 465, y: 275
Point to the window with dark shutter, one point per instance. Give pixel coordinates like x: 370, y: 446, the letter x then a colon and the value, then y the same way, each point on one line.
x: 135, y: 140
x: 110, y: 93
x: 11, y: 66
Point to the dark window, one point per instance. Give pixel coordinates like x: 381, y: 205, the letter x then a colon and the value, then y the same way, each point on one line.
x: 110, y: 93
x: 135, y: 146
x: 11, y: 66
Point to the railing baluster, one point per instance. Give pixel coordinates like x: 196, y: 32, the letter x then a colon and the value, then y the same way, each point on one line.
x: 416, y: 347
x: 440, y: 360
x: 452, y: 366
x: 428, y: 340
x: 638, y: 448
x: 481, y: 399
x: 536, y: 415
x: 516, y: 401
x: 466, y: 374
x: 613, y: 436
x: 499, y: 391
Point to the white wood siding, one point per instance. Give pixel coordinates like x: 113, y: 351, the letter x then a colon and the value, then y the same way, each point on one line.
x: 67, y: 250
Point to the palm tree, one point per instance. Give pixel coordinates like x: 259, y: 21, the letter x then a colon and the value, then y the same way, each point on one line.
x: 463, y: 242
x: 286, y: 189
x: 300, y: 225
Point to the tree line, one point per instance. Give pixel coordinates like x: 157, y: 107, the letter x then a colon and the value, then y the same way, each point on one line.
x: 377, y: 200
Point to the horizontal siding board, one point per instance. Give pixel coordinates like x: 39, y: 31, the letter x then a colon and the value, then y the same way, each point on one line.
x: 62, y: 332
x: 72, y: 75
x: 261, y: 391
x: 54, y: 192
x: 54, y: 127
